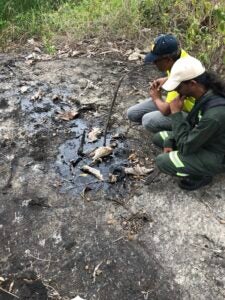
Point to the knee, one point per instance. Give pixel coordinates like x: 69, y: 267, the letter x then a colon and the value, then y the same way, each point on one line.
x: 160, y: 161
x: 149, y: 123
x: 132, y: 115
x: 157, y: 140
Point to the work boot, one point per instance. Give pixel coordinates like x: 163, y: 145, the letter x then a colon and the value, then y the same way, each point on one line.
x: 192, y: 184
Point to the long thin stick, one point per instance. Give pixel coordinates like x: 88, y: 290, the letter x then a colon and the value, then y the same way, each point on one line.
x: 80, y: 150
x: 111, y: 108
x: 7, y: 292
x: 114, y: 99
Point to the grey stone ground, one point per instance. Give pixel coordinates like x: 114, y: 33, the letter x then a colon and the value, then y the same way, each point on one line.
x: 151, y: 242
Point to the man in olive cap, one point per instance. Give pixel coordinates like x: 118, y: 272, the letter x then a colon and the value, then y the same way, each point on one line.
x: 154, y: 112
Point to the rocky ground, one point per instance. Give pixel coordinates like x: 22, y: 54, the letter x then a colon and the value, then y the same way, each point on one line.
x: 65, y: 233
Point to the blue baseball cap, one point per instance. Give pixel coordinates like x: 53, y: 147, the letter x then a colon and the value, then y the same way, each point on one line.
x: 164, y: 44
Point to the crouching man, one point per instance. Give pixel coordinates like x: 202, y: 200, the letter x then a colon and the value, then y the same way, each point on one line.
x: 195, y: 148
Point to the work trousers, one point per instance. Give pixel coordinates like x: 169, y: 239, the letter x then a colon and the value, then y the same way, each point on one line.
x: 147, y: 114
x: 201, y: 163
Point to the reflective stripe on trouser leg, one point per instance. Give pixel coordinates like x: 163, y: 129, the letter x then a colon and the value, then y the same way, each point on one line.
x: 181, y: 174
x: 173, y: 155
x: 163, y: 134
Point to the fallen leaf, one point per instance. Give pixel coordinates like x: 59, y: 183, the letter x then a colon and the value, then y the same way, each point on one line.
x: 77, y: 298
x: 83, y: 175
x: 132, y: 157
x: 31, y: 41
x: 98, y: 272
x: 29, y: 62
x: 56, y: 97
x: 138, y: 170
x: 37, y: 49
x: 102, y: 152
x: 136, y: 55
x: 93, y: 171
x: 85, y: 190
x: 75, y: 53
x: 38, y: 95
x: 113, y: 178
x: 68, y: 115
x: 24, y: 89
x: 94, y: 134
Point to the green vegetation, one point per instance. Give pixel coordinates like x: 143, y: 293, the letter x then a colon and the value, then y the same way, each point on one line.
x: 199, y: 24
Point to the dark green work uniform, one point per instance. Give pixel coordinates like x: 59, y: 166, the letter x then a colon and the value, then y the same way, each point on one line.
x: 198, y: 140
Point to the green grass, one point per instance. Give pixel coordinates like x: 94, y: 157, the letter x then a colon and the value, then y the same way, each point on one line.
x: 199, y: 24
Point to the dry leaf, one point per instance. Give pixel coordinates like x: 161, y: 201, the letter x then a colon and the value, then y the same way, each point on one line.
x: 75, y: 53
x: 94, y: 134
x: 37, y: 49
x: 24, y: 89
x: 102, y: 152
x: 56, y: 97
x: 83, y: 175
x: 29, y: 62
x: 138, y: 170
x: 68, y: 115
x: 38, y: 95
x: 112, y: 178
x: 92, y: 171
x: 136, y: 55
x: 31, y: 41
x: 132, y: 157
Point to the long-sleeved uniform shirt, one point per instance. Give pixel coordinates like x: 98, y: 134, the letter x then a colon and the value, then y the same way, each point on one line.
x: 207, y: 132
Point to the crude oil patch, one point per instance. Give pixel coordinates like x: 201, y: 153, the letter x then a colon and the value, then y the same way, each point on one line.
x: 69, y: 165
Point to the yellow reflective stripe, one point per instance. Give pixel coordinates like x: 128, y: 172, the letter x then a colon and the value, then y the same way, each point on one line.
x: 163, y: 134
x: 181, y: 174
x: 175, y: 159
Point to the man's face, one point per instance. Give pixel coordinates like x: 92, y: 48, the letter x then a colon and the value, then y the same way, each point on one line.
x: 162, y: 64
x: 185, y: 88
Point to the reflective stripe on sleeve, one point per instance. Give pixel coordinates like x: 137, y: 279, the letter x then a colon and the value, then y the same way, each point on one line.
x: 163, y: 134
x: 173, y: 155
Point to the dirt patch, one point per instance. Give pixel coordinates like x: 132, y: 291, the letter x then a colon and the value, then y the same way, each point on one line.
x: 66, y: 233
x: 54, y: 218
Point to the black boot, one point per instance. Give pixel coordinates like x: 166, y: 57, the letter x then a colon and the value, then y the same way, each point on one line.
x: 192, y: 184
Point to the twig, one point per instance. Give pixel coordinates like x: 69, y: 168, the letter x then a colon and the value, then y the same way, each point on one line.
x: 114, y: 98
x: 80, y: 150
x: 120, y: 238
x: 41, y: 259
x: 7, y: 292
x: 95, y: 271
x: 52, y: 288
x: 207, y: 248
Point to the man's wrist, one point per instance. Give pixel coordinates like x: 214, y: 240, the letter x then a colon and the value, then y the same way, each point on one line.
x: 156, y: 99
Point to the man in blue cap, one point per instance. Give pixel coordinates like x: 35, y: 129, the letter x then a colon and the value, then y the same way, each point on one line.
x: 153, y: 113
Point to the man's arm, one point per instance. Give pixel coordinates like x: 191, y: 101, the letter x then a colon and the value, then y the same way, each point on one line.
x: 156, y: 96
x: 189, y: 140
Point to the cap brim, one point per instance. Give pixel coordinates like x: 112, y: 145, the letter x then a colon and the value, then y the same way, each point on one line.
x: 150, y: 57
x: 170, y: 85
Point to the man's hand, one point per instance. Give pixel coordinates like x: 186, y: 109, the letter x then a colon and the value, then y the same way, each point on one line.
x: 157, y: 83
x: 167, y: 149
x: 177, y: 104
x: 154, y: 93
